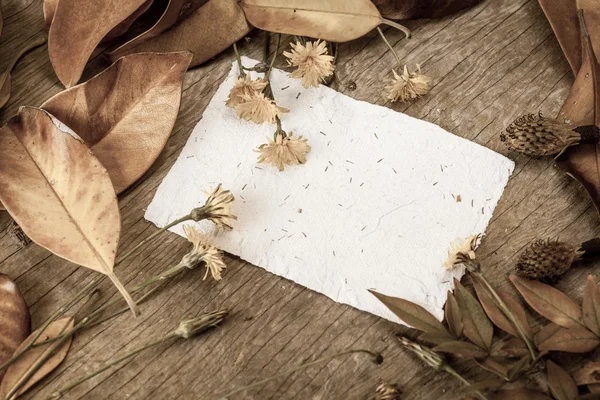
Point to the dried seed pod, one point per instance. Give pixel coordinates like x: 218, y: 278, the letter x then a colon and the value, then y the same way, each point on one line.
x: 547, y: 260
x: 15, y: 322
x: 386, y: 391
x: 537, y: 136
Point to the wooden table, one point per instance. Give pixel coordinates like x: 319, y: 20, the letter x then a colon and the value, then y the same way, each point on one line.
x: 491, y: 64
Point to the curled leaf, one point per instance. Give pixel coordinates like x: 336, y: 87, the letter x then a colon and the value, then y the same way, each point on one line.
x: 477, y: 326
x: 124, y: 25
x: 14, y: 319
x: 591, y: 305
x: 462, y: 349
x: 20, y: 368
x: 77, y: 28
x: 413, y: 314
x: 127, y: 112
x: 575, y: 340
x: 562, y: 386
x: 206, y: 32
x: 549, y: 302
x: 49, y: 8
x: 453, y: 316
x: 589, y: 374
x: 59, y: 193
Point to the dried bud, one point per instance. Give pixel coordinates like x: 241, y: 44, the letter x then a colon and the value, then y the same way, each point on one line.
x: 537, y: 136
x: 547, y: 260
x: 433, y: 359
x: 192, y: 327
x: 462, y: 251
x: 217, y: 208
x: 387, y: 392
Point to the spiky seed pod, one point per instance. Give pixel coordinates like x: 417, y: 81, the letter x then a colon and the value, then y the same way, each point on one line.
x: 537, y: 136
x: 547, y: 260
x: 386, y: 391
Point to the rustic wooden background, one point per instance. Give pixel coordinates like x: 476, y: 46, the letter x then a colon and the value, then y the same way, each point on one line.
x: 490, y: 64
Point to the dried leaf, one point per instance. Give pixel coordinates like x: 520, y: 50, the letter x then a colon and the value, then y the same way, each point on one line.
x: 515, y: 347
x: 332, y: 20
x: 594, y: 388
x: 549, y: 302
x: 491, y: 309
x: 562, y: 16
x: 49, y: 9
x: 589, y: 374
x: 546, y: 333
x: 17, y: 371
x: 518, y: 312
x: 435, y: 338
x: 58, y: 192
x: 206, y: 32
x: 127, y: 112
x: 413, y: 9
x: 486, y: 385
x: 519, y: 366
x: 462, y: 349
x: 562, y: 386
x: 77, y: 28
x: 575, y: 340
x: 521, y: 393
x: 14, y: 319
x: 493, y: 366
x: 5, y: 79
x: 453, y: 316
x: 124, y: 26
x: 412, y: 314
x: 477, y: 326
x: 591, y: 305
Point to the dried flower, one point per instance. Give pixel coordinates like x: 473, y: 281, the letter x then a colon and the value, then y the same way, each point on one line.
x: 203, y: 251
x: 314, y: 65
x: 461, y: 251
x: 547, y: 260
x: 192, y: 327
x: 244, y: 87
x: 537, y: 136
x: 258, y: 108
x: 386, y: 391
x: 283, y: 151
x: 408, y: 86
x: 217, y: 208
x: 432, y: 358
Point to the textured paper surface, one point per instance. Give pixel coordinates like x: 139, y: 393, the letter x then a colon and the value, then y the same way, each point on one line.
x: 375, y: 206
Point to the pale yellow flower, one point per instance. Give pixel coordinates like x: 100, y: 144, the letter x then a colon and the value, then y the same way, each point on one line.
x: 203, y: 251
x: 460, y: 250
x: 283, y: 151
x: 258, y: 108
x: 408, y: 86
x: 314, y: 65
x: 244, y: 86
x: 217, y: 208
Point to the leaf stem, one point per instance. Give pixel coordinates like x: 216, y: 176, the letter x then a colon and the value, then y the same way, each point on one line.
x: 398, y: 26
x: 389, y: 46
x: 458, y: 376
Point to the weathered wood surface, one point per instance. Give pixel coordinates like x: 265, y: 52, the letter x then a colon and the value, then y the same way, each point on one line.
x: 491, y: 64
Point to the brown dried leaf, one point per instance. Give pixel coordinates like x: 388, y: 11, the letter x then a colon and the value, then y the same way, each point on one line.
x: 332, y: 20
x: 549, y: 302
x: 14, y: 319
x: 58, y: 192
x: 575, y: 340
x: 127, y: 112
x: 17, y: 371
x: 521, y: 393
x: 561, y: 384
x: 591, y: 305
x: 518, y: 367
x: 546, y: 333
x: 77, y: 28
x: 491, y: 309
x: 206, y: 32
x: 435, y: 338
x: 124, y: 26
x: 462, y: 349
x: 515, y: 347
x: 477, y: 326
x: 412, y: 314
x: 518, y: 311
x: 594, y: 388
x: 49, y: 8
x: 589, y: 374
x: 453, y: 316
x: 413, y: 9
x: 562, y: 16
x: 493, y: 366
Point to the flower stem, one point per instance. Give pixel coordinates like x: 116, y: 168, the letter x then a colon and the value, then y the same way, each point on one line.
x: 376, y: 358
x: 398, y: 26
x: 389, y: 46
x: 239, y: 60
x: 458, y: 376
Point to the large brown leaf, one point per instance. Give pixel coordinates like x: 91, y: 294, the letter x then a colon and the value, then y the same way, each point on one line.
x: 332, y: 20
x: 58, y: 192
x: 15, y: 322
x: 17, y: 371
x: 477, y: 326
x: 175, y: 11
x: 206, y: 32
x: 589, y: 374
x: 576, y: 340
x: 549, y: 302
x: 412, y: 9
x: 77, y: 28
x: 562, y: 16
x: 591, y: 305
x: 561, y: 384
x: 413, y: 314
x: 127, y: 112
x: 124, y: 25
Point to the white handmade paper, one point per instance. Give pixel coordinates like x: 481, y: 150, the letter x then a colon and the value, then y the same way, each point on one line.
x: 379, y: 200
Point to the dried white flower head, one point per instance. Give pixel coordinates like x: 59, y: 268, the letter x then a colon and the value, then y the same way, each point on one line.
x: 191, y: 327
x: 460, y: 251
x: 312, y: 62
x: 244, y: 86
x: 217, y: 208
x: 408, y: 86
x: 283, y: 151
x: 203, y: 251
x: 258, y: 108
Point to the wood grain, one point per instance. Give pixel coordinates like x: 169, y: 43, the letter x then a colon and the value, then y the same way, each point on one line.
x: 491, y: 64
